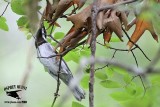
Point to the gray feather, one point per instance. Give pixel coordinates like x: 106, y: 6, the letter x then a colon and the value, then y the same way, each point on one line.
x: 52, y: 64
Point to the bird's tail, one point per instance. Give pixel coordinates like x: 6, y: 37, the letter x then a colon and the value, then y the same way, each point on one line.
x: 78, y: 93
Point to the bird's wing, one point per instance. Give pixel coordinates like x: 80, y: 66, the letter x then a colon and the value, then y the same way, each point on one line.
x: 65, y: 67
x: 63, y: 63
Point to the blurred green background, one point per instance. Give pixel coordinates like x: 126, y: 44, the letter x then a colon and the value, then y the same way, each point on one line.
x: 14, y: 49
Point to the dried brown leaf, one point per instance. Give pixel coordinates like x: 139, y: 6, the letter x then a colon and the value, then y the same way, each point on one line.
x: 80, y: 19
x: 63, y: 5
x: 79, y: 3
x: 114, y: 24
x: 107, y: 34
x: 141, y: 26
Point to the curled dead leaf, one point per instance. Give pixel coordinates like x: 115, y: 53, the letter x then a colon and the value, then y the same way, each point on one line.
x: 114, y: 24
x: 79, y: 3
x: 80, y: 19
x: 62, y: 6
x: 107, y: 34
x: 141, y: 26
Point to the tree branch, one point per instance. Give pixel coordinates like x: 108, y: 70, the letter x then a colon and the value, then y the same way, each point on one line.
x: 116, y: 5
x: 93, y: 50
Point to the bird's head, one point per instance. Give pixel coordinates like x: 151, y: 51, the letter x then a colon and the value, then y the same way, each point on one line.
x: 40, y: 36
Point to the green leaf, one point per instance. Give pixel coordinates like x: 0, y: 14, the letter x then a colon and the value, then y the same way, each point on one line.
x: 17, y: 7
x: 3, y: 24
x: 54, y: 44
x: 27, y: 32
x: 22, y: 21
x: 109, y: 72
x: 134, y: 90
x: 49, y: 29
x: 120, y: 96
x: 49, y: 40
x: 76, y: 104
x: 85, y: 81
x: 101, y: 75
x: 155, y: 81
x: 127, y: 78
x: 85, y: 53
x: 29, y: 35
x: 130, y: 90
x: 110, y: 84
x: 115, y: 39
x: 72, y: 56
x: 120, y: 71
x: 59, y: 35
x: 87, y: 70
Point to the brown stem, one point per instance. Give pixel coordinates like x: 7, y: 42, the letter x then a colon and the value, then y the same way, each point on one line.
x: 93, y: 50
x: 116, y: 5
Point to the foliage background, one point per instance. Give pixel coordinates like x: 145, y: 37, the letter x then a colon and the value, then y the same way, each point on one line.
x: 41, y: 86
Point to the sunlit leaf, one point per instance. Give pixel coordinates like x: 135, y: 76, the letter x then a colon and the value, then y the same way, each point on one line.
x: 3, y: 24
x: 85, y: 53
x: 59, y: 35
x: 85, y: 81
x: 17, y: 7
x: 76, y: 104
x: 46, y: 24
x: 72, y: 56
x: 101, y: 75
x: 120, y: 96
x: 29, y: 36
x: 155, y: 81
x: 110, y: 84
x: 22, y: 21
x: 127, y: 78
x: 110, y: 72
x: 130, y: 90
x: 120, y: 71
x: 134, y: 90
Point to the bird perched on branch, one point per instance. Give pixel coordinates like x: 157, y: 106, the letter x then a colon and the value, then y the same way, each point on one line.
x: 45, y: 50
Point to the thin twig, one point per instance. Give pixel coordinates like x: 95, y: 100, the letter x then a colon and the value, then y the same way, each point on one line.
x: 66, y: 51
x: 58, y: 83
x: 115, y: 50
x: 135, y: 44
x: 5, y: 9
x: 144, y: 87
x: 116, y: 5
x: 134, y: 58
x: 100, y: 68
x: 131, y: 80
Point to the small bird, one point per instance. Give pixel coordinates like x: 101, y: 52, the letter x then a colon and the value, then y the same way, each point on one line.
x: 13, y: 94
x: 45, y: 49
